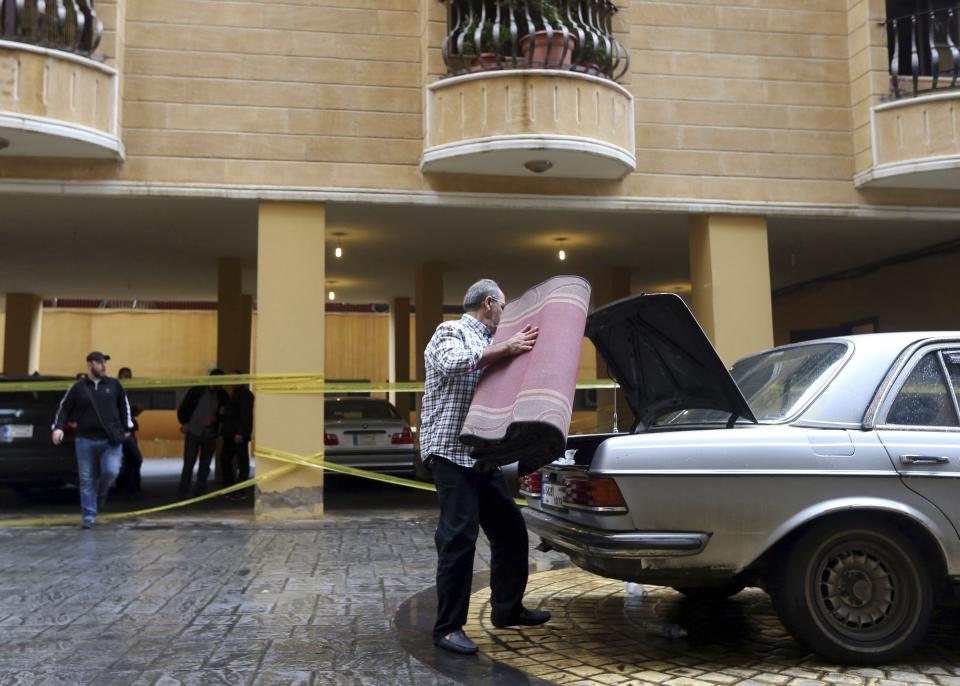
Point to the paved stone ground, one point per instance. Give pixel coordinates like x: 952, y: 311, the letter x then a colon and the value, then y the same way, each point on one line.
x: 178, y: 601
x: 600, y: 635
x: 212, y: 605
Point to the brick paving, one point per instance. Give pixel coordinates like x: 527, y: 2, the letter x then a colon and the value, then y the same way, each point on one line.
x: 166, y: 602
x: 600, y: 635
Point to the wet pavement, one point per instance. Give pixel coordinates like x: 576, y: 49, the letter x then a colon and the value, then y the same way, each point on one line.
x: 213, y: 598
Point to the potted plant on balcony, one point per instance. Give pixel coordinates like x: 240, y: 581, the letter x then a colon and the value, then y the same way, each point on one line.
x: 592, y: 57
x: 492, y: 47
x: 545, y: 50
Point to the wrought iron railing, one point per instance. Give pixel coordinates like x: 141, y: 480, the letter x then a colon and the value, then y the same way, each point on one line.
x: 69, y: 25
x: 576, y: 35
x: 923, y: 45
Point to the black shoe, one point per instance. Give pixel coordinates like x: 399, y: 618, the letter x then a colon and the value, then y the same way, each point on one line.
x: 525, y: 618
x: 86, y: 525
x: 457, y: 642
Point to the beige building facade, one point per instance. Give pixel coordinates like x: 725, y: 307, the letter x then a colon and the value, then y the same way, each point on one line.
x: 782, y: 164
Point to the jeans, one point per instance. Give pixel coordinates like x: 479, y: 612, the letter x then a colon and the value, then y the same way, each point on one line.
x: 98, y: 463
x: 471, y: 500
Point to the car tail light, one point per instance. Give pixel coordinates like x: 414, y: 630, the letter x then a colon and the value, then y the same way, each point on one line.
x: 405, y: 437
x: 330, y: 439
x: 593, y: 493
x: 531, y: 484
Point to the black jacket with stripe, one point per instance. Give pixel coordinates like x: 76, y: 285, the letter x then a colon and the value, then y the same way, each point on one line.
x: 111, y: 401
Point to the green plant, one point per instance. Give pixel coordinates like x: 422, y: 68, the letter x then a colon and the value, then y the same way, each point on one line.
x: 549, y: 12
x: 593, y: 51
x: 488, y: 43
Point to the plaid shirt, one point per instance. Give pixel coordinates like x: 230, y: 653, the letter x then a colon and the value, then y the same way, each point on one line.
x: 451, y: 361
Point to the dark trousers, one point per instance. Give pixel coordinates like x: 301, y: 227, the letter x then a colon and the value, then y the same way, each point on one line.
x: 236, y: 461
x: 129, y: 480
x: 469, y: 500
x: 193, y: 446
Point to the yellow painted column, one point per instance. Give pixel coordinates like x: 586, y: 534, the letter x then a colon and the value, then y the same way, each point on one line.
x: 605, y: 287
x: 21, y: 334
x: 290, y: 317
x: 233, y: 317
x: 400, y: 351
x: 730, y: 276
x: 428, y: 299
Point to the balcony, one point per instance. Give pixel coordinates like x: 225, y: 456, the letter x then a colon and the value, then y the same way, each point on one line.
x: 531, y: 90
x: 916, y: 131
x: 56, y: 98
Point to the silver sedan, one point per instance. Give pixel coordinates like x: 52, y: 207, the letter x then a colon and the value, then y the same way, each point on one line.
x: 826, y: 472
x: 367, y: 433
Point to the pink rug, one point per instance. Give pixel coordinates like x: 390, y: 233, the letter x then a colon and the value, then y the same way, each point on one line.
x: 522, y: 407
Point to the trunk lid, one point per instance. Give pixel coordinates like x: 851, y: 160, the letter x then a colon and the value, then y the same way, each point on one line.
x: 662, y: 359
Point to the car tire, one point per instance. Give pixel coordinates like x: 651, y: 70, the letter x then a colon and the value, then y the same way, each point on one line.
x: 855, y: 592
x: 420, y: 470
x: 710, y: 594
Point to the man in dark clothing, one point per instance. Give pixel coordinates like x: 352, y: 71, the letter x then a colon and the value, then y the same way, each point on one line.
x: 102, y: 412
x: 199, y: 415
x: 471, y: 496
x: 129, y: 479
x: 236, y: 430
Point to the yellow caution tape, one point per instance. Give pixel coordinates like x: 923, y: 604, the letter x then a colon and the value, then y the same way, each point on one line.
x: 262, y: 383
x: 73, y: 519
x: 292, y: 461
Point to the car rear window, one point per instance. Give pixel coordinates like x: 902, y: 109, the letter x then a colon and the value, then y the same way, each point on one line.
x: 359, y: 409
x: 776, y: 384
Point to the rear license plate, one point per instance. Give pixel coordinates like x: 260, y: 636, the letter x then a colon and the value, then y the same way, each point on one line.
x: 364, y: 439
x: 551, y: 494
x: 12, y: 431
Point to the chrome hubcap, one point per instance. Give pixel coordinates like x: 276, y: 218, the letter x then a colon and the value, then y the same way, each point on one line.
x: 857, y: 589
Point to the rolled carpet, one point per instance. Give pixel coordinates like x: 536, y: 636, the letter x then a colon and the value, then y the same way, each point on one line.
x: 522, y: 406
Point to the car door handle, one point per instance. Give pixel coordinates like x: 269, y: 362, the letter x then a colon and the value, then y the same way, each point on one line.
x: 924, y: 459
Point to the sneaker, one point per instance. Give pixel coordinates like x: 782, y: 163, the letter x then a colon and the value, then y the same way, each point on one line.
x: 86, y: 524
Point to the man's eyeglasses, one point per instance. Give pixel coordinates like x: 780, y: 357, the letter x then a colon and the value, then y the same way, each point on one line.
x: 502, y: 304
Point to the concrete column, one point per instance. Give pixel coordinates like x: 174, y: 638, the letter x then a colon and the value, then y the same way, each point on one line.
x: 730, y: 276
x: 21, y: 336
x: 233, y: 317
x: 290, y: 318
x: 400, y: 351
x: 429, y: 302
x: 606, y: 286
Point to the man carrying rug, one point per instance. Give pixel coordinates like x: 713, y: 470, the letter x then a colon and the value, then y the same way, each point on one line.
x: 470, y: 494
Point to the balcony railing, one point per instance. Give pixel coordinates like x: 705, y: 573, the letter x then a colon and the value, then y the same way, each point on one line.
x: 575, y: 35
x: 924, y: 45
x: 68, y: 25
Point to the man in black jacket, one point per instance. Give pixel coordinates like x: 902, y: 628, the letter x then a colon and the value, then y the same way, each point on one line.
x: 102, y: 412
x: 236, y: 430
x: 199, y: 415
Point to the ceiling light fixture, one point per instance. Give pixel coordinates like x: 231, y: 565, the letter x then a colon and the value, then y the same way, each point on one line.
x: 562, y: 254
x: 338, y: 251
x: 538, y: 166
x: 331, y: 296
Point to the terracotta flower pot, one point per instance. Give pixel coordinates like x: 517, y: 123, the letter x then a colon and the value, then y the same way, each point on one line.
x: 548, y: 53
x: 486, y: 60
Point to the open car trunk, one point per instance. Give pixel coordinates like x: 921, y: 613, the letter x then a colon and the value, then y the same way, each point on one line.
x: 663, y: 361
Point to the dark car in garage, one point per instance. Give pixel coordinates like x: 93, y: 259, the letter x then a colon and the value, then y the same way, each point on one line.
x: 28, y: 457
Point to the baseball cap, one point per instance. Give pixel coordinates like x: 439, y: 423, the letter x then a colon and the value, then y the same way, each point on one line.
x: 97, y: 356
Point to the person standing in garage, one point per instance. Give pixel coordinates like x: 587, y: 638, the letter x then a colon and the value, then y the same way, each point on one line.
x: 100, y: 407
x: 471, y: 495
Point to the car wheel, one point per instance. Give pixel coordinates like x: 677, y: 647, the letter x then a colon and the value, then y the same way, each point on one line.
x: 710, y: 594
x: 855, y: 593
x: 420, y: 471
